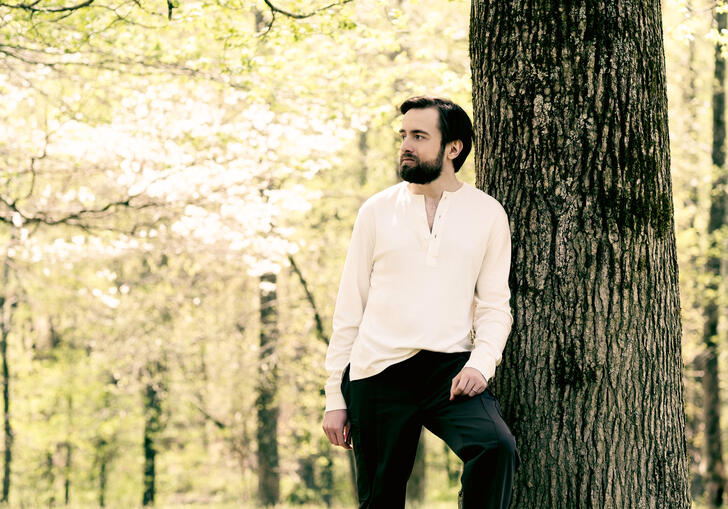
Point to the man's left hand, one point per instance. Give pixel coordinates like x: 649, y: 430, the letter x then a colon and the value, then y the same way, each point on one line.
x: 469, y: 382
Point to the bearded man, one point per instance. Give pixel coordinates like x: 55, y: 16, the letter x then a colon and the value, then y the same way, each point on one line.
x: 428, y: 262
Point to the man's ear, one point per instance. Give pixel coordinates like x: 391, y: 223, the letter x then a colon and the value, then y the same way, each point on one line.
x: 453, y: 149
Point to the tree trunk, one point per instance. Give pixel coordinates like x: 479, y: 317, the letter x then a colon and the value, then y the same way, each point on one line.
x: 152, y: 428
x: 49, y: 476
x: 102, y: 457
x: 327, y: 475
x: 715, y: 476
x: 570, y: 113
x: 7, y: 304
x: 417, y: 481
x: 453, y: 466
x: 267, y: 404
x: 690, y: 146
x: 67, y: 450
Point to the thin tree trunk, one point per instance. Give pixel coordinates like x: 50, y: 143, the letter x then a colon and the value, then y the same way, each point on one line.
x: 570, y: 112
x: 67, y: 472
x: 51, y: 478
x: 352, y: 473
x: 715, y: 475
x: 103, y: 460
x: 327, y: 477
x: 453, y: 466
x: 694, y: 368
x: 7, y: 304
x: 266, y: 403
x: 152, y: 427
x: 417, y: 481
x: 68, y: 453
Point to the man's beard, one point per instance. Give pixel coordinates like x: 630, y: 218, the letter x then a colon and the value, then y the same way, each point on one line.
x: 422, y: 172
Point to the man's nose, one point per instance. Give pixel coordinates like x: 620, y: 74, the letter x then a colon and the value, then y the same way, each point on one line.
x: 405, y: 147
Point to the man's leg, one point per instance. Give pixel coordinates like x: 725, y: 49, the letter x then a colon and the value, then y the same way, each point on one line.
x: 475, y: 430
x: 385, y: 430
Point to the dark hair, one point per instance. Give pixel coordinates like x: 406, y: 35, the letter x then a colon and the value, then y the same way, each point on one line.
x: 454, y: 122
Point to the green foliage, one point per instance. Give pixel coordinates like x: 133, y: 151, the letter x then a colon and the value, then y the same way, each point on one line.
x: 152, y: 168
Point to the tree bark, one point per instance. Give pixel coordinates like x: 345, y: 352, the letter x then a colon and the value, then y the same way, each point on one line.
x: 715, y: 475
x: 570, y: 114
x: 266, y: 403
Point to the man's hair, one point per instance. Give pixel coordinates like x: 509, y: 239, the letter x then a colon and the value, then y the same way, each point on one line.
x: 454, y: 122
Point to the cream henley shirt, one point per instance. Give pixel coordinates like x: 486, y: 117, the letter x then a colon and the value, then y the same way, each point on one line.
x: 405, y: 288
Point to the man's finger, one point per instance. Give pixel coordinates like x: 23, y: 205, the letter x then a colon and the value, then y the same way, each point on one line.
x: 453, y: 385
x: 339, y: 437
x: 347, y: 436
x: 334, y: 436
x: 464, y: 385
x: 458, y: 386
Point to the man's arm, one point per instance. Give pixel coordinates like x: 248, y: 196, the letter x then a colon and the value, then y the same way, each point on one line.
x: 492, y: 317
x: 350, y: 303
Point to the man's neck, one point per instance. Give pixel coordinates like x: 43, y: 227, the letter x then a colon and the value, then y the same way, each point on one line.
x: 433, y: 190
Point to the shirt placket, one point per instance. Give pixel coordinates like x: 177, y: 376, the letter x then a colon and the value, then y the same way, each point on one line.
x: 434, y: 238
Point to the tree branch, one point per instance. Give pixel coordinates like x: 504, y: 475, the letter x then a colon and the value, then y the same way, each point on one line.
x: 206, y: 414
x: 309, y: 296
x: 294, y: 15
x: 72, y: 218
x: 31, y: 7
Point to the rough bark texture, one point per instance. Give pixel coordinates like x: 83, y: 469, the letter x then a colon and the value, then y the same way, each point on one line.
x: 570, y: 113
x: 715, y: 476
x: 266, y: 403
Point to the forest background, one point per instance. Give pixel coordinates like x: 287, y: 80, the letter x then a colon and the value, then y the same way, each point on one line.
x: 178, y: 183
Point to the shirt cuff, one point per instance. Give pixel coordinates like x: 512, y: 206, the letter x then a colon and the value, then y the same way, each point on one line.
x: 334, y: 401
x: 483, y: 363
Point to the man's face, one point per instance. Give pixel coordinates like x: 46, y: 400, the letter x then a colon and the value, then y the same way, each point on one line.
x: 421, y: 152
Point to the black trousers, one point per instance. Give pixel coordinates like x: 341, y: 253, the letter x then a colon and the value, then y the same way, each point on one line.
x: 387, y: 412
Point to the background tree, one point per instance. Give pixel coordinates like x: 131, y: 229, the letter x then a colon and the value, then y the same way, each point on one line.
x: 715, y: 479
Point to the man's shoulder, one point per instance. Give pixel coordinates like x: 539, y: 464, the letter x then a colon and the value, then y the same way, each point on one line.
x: 483, y: 200
x: 380, y: 198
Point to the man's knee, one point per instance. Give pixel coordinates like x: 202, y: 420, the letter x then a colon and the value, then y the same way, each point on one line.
x: 509, y: 450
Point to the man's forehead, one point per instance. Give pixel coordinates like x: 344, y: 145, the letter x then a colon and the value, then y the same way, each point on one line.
x: 425, y: 119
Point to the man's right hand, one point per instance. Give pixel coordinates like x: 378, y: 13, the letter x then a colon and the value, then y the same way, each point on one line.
x: 337, y: 428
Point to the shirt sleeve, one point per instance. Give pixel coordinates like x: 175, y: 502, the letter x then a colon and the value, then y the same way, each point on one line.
x: 492, y: 317
x: 350, y: 303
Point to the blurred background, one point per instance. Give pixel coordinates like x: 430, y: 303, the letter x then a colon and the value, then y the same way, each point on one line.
x: 178, y: 183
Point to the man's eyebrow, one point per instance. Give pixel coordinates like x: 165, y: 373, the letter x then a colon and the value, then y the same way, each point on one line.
x: 415, y: 131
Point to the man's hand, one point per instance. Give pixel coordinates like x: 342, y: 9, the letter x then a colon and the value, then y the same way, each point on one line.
x: 337, y: 428
x: 469, y: 382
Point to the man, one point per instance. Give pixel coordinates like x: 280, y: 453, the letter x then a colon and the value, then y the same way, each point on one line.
x: 428, y: 262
